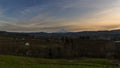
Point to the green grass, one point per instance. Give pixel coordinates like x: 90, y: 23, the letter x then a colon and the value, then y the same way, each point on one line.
x: 7, y: 61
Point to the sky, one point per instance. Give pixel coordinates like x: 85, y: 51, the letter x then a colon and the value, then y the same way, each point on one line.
x: 58, y: 15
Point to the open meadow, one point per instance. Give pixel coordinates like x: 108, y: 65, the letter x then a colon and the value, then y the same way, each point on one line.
x: 7, y: 61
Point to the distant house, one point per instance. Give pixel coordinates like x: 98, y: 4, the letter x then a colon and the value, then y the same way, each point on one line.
x: 27, y: 44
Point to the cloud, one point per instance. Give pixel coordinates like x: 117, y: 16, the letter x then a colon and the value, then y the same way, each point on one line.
x: 32, y: 10
x: 72, y: 15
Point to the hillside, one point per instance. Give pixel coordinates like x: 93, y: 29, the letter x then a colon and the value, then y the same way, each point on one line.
x: 60, y: 45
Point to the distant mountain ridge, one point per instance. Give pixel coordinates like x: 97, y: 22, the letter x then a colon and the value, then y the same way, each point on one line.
x: 112, y: 32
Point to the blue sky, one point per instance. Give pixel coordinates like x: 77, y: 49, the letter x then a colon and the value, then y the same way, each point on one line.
x: 55, y: 15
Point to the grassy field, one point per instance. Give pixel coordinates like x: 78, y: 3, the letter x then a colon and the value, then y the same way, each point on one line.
x: 7, y: 61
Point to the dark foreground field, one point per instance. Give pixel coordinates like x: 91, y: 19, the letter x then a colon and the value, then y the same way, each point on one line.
x: 26, y: 62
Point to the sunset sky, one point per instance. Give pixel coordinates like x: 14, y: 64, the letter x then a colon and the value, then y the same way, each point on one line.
x: 56, y: 15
